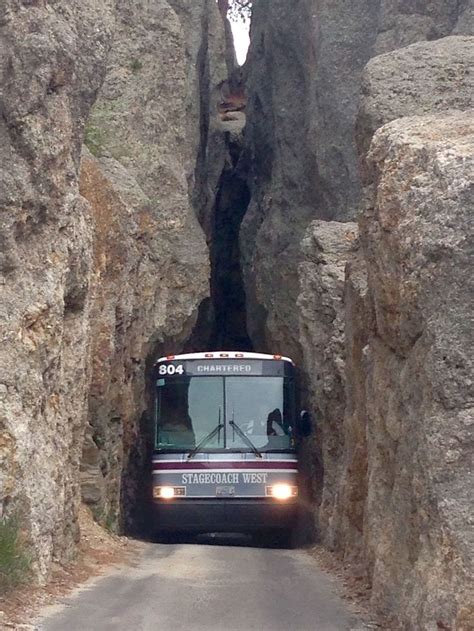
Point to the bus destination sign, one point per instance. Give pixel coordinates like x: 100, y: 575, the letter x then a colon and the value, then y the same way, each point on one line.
x: 222, y: 367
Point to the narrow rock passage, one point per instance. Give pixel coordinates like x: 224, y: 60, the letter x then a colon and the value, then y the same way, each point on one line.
x: 178, y: 587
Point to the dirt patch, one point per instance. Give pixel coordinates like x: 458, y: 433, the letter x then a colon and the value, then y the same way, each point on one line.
x: 98, y: 550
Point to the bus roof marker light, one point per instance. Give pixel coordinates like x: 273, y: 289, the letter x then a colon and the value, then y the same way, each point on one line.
x: 239, y: 355
x: 276, y: 356
x: 209, y: 355
x: 224, y: 355
x: 170, y: 356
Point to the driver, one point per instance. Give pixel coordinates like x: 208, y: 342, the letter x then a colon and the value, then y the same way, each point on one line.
x: 275, y: 420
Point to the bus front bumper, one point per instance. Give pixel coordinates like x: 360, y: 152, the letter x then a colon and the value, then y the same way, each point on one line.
x: 223, y: 515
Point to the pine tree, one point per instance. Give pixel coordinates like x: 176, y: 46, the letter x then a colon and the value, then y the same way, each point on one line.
x: 239, y: 9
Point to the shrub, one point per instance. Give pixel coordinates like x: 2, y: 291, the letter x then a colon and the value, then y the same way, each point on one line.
x: 136, y: 65
x: 94, y: 139
x: 15, y: 563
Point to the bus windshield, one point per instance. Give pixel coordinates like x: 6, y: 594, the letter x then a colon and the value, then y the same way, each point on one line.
x: 259, y: 408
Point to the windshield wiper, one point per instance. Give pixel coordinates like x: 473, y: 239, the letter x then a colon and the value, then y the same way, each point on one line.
x: 207, y: 438
x: 245, y: 438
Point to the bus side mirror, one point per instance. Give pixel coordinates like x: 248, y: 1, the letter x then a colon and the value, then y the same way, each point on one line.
x: 305, y: 423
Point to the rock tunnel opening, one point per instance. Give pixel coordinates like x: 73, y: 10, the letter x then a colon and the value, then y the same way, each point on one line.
x: 222, y: 319
x: 221, y: 323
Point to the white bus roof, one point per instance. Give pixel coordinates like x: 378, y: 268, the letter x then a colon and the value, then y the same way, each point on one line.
x: 224, y: 355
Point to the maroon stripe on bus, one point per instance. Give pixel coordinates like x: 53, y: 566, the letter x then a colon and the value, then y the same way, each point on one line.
x: 225, y: 465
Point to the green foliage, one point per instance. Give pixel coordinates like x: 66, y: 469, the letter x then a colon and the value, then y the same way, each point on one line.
x: 97, y: 513
x: 105, y: 130
x: 107, y: 520
x: 240, y: 10
x: 15, y: 563
x: 110, y: 523
x: 94, y: 139
x: 136, y: 65
x: 102, y: 132
x: 98, y: 440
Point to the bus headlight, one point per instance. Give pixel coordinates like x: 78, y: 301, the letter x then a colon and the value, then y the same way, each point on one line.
x: 163, y: 492
x: 168, y: 492
x: 282, y: 491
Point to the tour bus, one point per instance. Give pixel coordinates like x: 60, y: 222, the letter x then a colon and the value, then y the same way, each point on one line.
x: 225, y: 443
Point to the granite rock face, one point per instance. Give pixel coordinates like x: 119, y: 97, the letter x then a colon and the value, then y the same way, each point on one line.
x: 465, y: 21
x: 386, y: 328
x: 97, y: 275
x: 401, y: 23
x: 326, y: 248
x: 417, y: 241
x: 158, y: 156
x: 423, y: 78
x: 304, y: 74
x: 397, y: 411
x: 282, y: 169
x: 418, y: 79
x: 52, y: 62
x: 207, y: 44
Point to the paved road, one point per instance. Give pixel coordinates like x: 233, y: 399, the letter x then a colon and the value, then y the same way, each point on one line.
x: 208, y: 587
